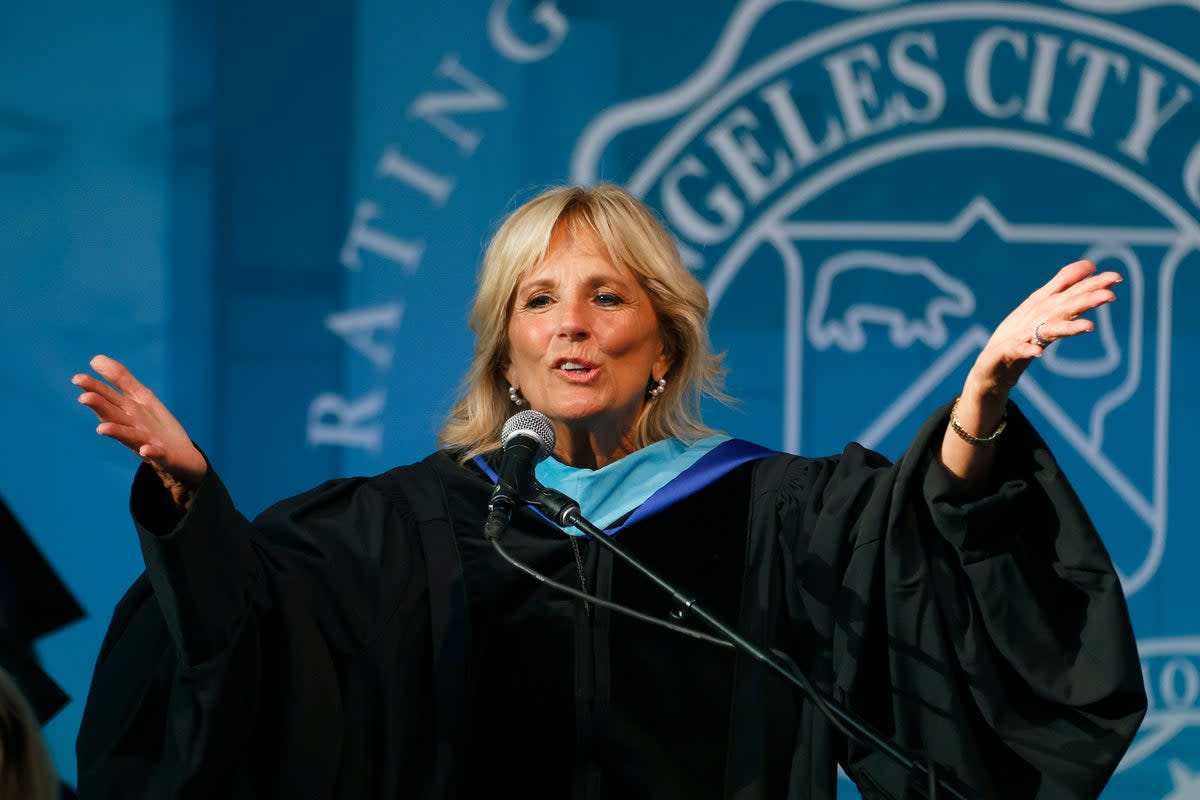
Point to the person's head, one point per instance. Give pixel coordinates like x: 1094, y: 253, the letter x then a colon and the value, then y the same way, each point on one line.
x: 583, y: 305
x: 26, y: 770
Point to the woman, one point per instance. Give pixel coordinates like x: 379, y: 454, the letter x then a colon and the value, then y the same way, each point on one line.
x: 364, y: 640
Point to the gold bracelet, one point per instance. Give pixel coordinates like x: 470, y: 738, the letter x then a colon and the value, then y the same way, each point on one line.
x: 972, y: 439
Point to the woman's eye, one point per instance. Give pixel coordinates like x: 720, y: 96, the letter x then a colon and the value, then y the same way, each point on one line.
x: 538, y: 301
x: 608, y: 299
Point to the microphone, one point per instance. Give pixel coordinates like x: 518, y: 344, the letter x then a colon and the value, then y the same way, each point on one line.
x: 527, y: 439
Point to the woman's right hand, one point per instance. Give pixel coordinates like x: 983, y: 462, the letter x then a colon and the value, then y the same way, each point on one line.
x: 131, y: 414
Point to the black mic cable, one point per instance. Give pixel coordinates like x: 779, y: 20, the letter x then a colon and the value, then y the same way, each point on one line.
x: 617, y: 607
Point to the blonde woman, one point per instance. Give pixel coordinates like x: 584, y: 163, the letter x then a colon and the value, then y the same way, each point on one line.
x: 363, y: 640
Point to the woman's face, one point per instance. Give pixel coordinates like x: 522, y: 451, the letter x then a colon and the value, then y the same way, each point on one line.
x: 584, y: 341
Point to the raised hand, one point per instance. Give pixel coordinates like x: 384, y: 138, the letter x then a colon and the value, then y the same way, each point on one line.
x: 132, y: 415
x: 1051, y: 313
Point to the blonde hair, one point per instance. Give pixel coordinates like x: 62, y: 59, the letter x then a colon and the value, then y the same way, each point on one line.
x: 632, y: 236
x: 26, y: 770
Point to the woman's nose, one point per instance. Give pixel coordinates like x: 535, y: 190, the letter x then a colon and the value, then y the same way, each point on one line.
x: 572, y: 320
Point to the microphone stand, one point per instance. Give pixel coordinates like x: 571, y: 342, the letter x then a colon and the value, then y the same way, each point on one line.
x: 565, y: 512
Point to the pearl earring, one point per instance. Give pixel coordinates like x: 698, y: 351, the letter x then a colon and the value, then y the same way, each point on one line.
x: 515, y: 396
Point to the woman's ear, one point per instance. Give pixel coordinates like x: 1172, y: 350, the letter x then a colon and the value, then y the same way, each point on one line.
x: 662, y: 364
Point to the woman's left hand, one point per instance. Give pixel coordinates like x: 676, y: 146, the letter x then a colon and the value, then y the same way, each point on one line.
x: 1051, y: 313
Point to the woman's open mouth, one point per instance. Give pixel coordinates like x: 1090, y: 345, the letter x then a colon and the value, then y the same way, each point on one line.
x: 576, y: 370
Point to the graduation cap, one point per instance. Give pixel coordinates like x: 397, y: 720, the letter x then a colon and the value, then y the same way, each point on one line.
x: 33, y: 603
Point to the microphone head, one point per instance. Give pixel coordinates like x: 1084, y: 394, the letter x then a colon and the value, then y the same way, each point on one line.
x: 530, y: 423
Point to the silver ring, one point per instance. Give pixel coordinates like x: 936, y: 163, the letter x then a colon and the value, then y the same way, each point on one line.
x: 1037, y: 339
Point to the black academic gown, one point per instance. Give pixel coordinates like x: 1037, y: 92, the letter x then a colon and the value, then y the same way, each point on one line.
x: 362, y: 640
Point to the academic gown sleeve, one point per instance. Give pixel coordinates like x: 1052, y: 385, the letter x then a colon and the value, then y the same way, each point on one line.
x: 986, y: 631
x: 281, y: 658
